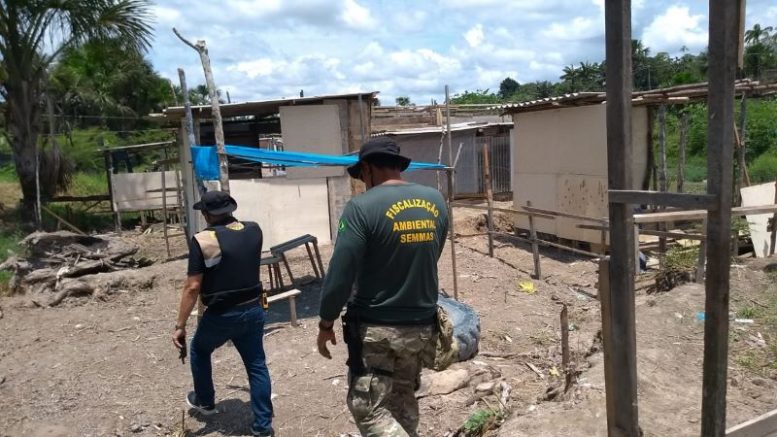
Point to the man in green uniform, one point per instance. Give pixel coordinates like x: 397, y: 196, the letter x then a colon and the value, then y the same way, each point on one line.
x: 388, y: 244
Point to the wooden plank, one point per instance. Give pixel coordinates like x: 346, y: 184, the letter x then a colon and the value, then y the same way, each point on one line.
x: 658, y: 198
x: 61, y: 220
x: 667, y: 234
x: 504, y: 210
x: 285, y: 295
x: 764, y: 425
x: 619, y: 334
x: 671, y: 216
x: 723, y: 30
x: 538, y: 211
x: 547, y: 243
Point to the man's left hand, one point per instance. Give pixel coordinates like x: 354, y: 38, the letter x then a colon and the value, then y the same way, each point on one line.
x: 323, y: 337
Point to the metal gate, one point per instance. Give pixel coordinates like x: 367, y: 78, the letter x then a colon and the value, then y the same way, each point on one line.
x: 469, y: 169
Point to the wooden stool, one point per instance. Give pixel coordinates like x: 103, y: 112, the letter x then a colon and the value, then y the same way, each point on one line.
x: 291, y: 295
x: 280, y: 250
x: 273, y: 264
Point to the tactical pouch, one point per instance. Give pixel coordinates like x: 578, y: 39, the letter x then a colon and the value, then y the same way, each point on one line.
x: 443, y: 350
x: 353, y: 341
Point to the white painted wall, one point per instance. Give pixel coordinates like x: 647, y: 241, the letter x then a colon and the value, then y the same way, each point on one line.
x: 284, y: 208
x: 560, y: 163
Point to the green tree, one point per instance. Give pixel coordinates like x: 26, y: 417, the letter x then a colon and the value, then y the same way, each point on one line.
x: 508, y: 87
x: 475, y: 97
x: 33, y: 34
x: 105, y: 79
x: 403, y: 101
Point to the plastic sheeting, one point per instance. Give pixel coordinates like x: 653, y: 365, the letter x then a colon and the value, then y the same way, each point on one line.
x: 206, y: 161
x: 466, y: 326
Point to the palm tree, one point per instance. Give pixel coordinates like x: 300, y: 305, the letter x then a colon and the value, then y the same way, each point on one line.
x: 33, y: 34
x: 757, y: 33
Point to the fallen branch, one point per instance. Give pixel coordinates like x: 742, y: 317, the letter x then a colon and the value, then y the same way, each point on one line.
x: 535, y: 370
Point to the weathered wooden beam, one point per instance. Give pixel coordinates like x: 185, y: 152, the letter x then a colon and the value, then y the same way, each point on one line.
x: 619, y: 334
x: 672, y: 216
x: 539, y: 211
x: 489, y: 195
x: 723, y: 46
x: 764, y: 425
x: 505, y: 210
x: 658, y: 198
x: 667, y: 234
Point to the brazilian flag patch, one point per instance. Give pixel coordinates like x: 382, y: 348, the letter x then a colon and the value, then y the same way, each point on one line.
x: 341, y: 226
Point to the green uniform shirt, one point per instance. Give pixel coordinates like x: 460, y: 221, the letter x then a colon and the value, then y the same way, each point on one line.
x: 388, y: 243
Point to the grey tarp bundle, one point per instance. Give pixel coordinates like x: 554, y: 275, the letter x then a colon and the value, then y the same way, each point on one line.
x: 466, y: 326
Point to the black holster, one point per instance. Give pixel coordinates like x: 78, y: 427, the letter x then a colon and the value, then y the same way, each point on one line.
x: 353, y: 341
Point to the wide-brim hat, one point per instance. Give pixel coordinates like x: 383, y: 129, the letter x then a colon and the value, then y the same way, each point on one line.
x: 379, y: 146
x: 216, y: 203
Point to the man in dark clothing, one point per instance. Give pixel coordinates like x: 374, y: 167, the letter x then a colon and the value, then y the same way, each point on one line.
x: 388, y: 244
x: 224, y: 273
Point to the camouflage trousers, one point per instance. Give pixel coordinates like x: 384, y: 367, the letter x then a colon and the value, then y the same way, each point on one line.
x: 382, y: 400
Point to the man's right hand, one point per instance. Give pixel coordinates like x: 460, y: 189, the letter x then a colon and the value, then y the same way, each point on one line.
x: 323, y: 337
x: 179, y: 338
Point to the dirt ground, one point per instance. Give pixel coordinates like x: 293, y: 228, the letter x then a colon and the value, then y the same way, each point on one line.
x: 107, y: 367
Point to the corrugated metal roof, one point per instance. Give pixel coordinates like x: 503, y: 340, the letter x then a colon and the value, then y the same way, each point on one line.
x: 260, y: 107
x: 589, y: 97
x: 455, y: 127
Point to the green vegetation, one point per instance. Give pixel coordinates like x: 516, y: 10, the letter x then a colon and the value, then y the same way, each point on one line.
x: 482, y: 421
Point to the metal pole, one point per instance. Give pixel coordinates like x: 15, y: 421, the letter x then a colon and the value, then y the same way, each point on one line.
x: 452, y: 235
x: 723, y: 42
x: 619, y: 333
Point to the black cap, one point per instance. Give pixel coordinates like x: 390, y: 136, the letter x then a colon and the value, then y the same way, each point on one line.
x: 216, y: 203
x: 378, y: 146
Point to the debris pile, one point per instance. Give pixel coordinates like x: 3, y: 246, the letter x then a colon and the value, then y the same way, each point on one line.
x: 63, y: 264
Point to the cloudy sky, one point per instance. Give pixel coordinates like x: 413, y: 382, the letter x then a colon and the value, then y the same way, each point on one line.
x: 273, y: 48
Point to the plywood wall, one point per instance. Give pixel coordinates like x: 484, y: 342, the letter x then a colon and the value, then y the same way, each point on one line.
x: 143, y: 191
x: 284, y: 208
x: 312, y: 129
x: 560, y: 163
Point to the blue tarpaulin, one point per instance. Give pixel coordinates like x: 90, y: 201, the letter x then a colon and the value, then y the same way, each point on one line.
x: 206, y: 161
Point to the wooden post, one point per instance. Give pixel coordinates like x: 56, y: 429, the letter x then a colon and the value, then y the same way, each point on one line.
x: 702, y: 261
x: 218, y: 126
x: 744, y: 179
x: 619, y: 332
x: 651, y: 159
x: 449, y: 139
x: 192, y: 130
x: 535, y: 247
x: 723, y: 46
x: 773, y: 237
x: 489, y: 196
x: 661, y: 179
x: 452, y: 234
x: 164, y: 202
x: 565, y: 348
x: 681, y: 153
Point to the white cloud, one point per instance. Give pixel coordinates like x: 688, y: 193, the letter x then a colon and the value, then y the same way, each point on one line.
x: 474, y: 36
x: 272, y: 48
x: 165, y: 15
x: 676, y: 28
x: 357, y: 16
x: 575, y: 29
